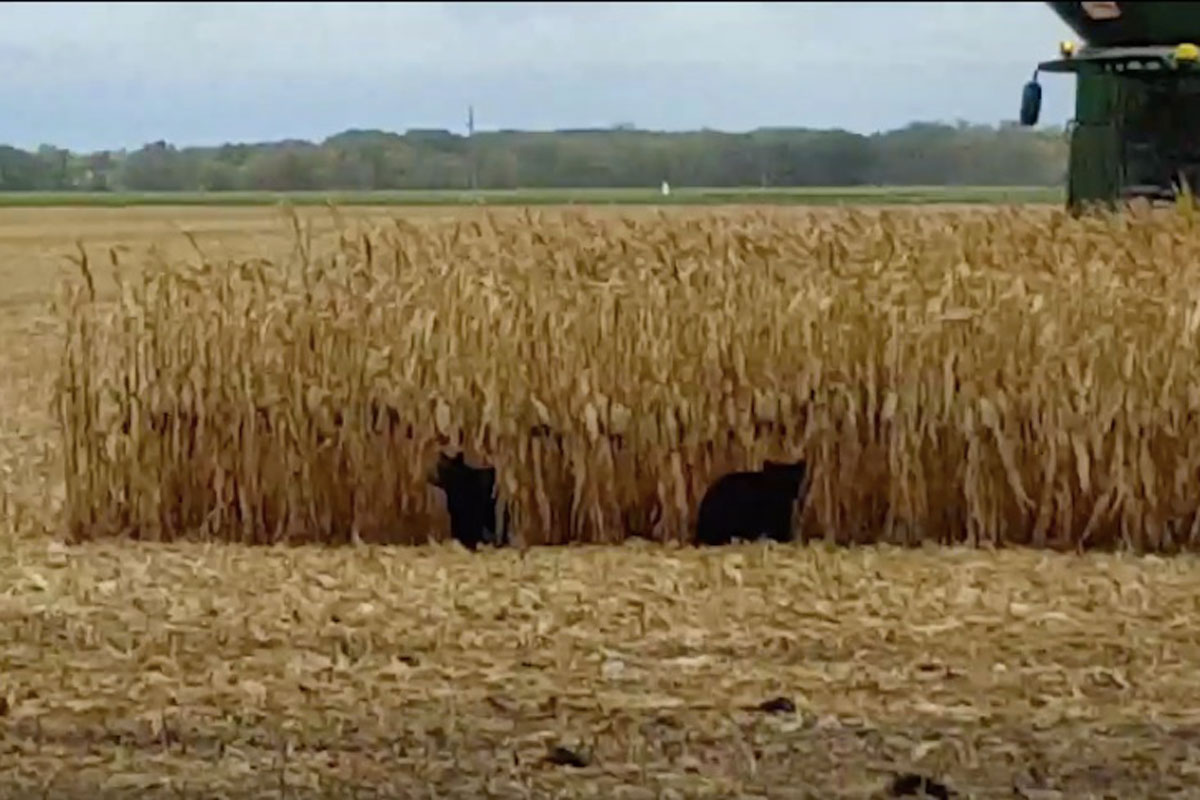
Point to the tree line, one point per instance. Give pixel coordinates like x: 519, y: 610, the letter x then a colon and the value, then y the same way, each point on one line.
x: 619, y: 157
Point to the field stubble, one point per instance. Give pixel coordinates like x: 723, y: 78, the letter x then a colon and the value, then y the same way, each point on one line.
x: 419, y: 673
x: 198, y: 670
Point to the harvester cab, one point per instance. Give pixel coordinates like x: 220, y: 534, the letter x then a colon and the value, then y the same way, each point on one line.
x: 1136, y: 131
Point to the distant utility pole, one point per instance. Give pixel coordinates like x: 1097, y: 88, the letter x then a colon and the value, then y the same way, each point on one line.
x: 471, y: 146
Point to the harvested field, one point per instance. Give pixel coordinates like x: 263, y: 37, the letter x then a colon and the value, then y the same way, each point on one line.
x: 416, y: 672
x: 207, y: 670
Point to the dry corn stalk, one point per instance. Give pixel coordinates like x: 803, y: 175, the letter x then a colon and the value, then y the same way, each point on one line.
x: 991, y: 376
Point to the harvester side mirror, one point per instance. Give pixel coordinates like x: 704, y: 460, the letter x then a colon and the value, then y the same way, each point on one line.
x: 1031, y: 103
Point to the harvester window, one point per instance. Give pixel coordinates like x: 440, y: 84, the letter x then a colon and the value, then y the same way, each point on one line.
x: 1160, y: 127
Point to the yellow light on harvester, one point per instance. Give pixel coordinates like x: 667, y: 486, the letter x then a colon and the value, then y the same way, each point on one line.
x: 1187, y: 52
x: 1066, y: 48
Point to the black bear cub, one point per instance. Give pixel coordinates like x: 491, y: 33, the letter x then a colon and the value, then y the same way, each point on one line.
x: 471, y: 501
x: 749, y: 505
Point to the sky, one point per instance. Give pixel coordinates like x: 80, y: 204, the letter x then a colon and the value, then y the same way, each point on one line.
x: 93, y: 76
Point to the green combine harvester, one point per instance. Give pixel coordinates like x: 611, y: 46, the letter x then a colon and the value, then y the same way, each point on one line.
x: 1136, y: 131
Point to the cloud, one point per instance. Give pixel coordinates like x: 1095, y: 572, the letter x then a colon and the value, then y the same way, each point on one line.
x: 247, y: 39
x: 186, y: 71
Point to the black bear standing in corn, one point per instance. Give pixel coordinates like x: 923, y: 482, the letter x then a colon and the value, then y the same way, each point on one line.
x: 749, y: 505
x: 471, y: 501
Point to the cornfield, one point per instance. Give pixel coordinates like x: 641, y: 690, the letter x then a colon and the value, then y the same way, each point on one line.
x: 980, y: 376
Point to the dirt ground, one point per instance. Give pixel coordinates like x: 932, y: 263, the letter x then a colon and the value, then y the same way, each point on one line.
x: 134, y: 670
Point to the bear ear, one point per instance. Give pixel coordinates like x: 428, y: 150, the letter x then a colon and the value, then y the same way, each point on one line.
x: 434, y: 476
x: 785, y: 466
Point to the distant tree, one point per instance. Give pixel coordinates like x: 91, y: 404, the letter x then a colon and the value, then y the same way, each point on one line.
x: 618, y: 156
x: 55, y: 164
x: 156, y: 167
x: 214, y: 175
x: 97, y: 170
x: 19, y: 170
x: 282, y: 169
